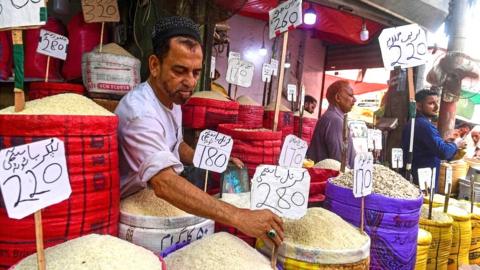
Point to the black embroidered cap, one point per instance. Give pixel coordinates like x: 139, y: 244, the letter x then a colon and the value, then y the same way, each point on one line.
x: 168, y: 27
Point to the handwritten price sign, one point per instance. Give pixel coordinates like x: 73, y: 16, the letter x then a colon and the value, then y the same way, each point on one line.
x: 21, y: 13
x: 240, y: 72
x: 33, y: 176
x: 448, y: 179
x: 100, y: 11
x: 267, y: 72
x: 397, y: 158
x: 374, y: 139
x: 286, y: 16
x: 425, y: 179
x: 404, y: 46
x: 293, y: 152
x: 52, y: 44
x: 213, y: 151
x: 363, y: 174
x: 292, y: 92
x: 282, y: 190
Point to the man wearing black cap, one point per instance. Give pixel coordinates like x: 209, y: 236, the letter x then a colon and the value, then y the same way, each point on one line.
x: 150, y: 133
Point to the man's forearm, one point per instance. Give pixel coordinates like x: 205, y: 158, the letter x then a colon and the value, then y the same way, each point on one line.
x: 184, y: 195
x: 186, y: 153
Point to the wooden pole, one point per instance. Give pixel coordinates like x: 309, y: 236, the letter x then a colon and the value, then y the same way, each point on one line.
x: 48, y: 68
x: 39, y: 240
x: 235, y: 94
x: 101, y: 36
x: 206, y: 181
x: 362, y: 216
x: 412, y: 112
x: 447, y: 198
x: 19, y: 95
x: 345, y: 143
x: 280, y: 81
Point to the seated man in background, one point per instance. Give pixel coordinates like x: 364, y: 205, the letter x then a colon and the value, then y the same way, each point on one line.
x: 310, y: 103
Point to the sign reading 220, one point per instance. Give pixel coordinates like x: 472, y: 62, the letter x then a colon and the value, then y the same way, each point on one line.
x: 33, y: 176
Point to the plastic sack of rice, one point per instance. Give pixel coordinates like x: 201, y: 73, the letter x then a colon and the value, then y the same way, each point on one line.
x: 95, y: 251
x: 220, y: 251
x: 461, y: 237
x: 440, y: 227
x: 250, y: 113
x: 391, y: 214
x: 474, y: 256
x: 321, y: 240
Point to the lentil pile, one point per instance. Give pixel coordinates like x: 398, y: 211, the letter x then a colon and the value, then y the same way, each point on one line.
x: 385, y: 182
x: 271, y: 107
x: 329, y: 164
x: 146, y: 203
x: 220, y: 251
x: 315, y: 230
x: 62, y: 104
x: 95, y: 252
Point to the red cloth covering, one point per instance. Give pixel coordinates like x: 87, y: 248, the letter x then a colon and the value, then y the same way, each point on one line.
x: 45, y: 89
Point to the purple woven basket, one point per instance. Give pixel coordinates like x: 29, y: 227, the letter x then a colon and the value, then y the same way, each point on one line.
x: 392, y: 225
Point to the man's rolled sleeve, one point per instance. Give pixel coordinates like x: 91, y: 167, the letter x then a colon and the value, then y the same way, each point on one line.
x: 145, y: 149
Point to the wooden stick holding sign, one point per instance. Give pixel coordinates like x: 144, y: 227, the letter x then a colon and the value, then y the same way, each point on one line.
x: 278, y: 99
x: 212, y: 152
x: 302, y: 110
x: 54, y: 188
x: 345, y: 143
x: 362, y: 181
x: 100, y: 11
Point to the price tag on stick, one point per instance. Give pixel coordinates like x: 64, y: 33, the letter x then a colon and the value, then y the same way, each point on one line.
x: 266, y: 72
x: 240, y: 72
x: 33, y: 176
x: 100, y: 11
x: 212, y: 68
x: 213, y: 151
x: 52, y: 44
x: 362, y: 174
x: 284, y: 17
x: 274, y: 64
x: 282, y: 190
x: 425, y: 178
x: 397, y: 158
x: 448, y: 179
x: 291, y: 92
x: 293, y: 152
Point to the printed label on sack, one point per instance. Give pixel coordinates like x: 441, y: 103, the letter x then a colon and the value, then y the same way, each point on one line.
x: 403, y: 46
x: 397, y: 158
x: 100, y: 11
x: 293, y: 152
x: 240, y: 72
x: 19, y: 13
x: 213, y: 151
x: 362, y: 174
x: 284, y: 17
x: 52, y: 44
x: 282, y: 190
x: 33, y: 176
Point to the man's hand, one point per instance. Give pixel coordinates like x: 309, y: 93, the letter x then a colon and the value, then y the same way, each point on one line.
x: 256, y: 223
x: 237, y: 162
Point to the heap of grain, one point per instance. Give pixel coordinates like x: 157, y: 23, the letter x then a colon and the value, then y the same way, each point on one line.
x: 111, y: 72
x: 342, y: 248
x: 240, y: 200
x: 220, y: 251
x: 250, y: 113
x: 329, y: 164
x: 89, y: 134
x: 440, y: 227
x: 95, y: 252
x: 207, y: 109
x: 285, y: 119
x: 392, y: 198
x: 151, y: 222
x: 308, y: 125
x: 438, y: 200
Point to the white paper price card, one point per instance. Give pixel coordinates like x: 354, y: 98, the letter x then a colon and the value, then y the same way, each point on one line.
x: 212, y: 68
x: 284, y: 17
x: 266, y: 72
x: 282, y: 190
x: 375, y: 139
x: 100, y: 11
x: 363, y: 174
x: 213, y: 151
x: 404, y: 46
x: 425, y: 178
x: 448, y: 178
x: 293, y: 152
x: 397, y: 158
x: 22, y: 13
x: 291, y: 92
x: 52, y: 44
x: 33, y: 176
x: 233, y: 55
x: 240, y: 72
x: 274, y: 64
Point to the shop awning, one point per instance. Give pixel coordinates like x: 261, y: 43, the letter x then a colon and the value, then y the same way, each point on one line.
x: 333, y: 26
x: 358, y: 87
